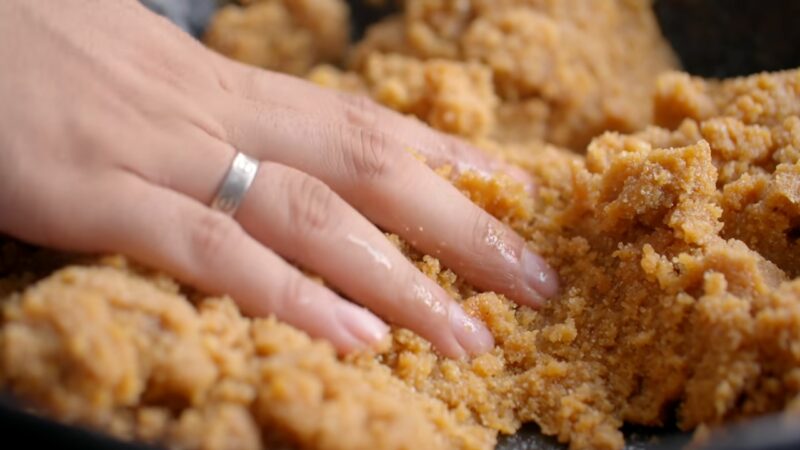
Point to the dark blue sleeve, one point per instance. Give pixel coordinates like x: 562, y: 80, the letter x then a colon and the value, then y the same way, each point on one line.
x: 191, y: 15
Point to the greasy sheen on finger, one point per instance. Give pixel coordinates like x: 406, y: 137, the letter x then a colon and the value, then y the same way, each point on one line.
x: 209, y: 250
x: 303, y: 220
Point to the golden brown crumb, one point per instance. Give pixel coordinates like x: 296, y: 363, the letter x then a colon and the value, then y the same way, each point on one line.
x: 452, y: 97
x: 570, y: 69
x: 766, y: 99
x: 562, y: 71
x: 289, y: 36
x: 104, y: 347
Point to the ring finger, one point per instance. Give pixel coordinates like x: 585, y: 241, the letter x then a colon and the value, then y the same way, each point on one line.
x: 205, y: 248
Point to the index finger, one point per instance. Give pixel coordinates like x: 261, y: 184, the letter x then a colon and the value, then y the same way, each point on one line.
x: 438, y: 148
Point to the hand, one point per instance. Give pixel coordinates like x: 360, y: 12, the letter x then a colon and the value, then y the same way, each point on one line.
x: 117, y: 129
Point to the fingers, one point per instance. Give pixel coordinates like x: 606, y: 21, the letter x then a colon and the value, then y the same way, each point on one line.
x: 378, y: 175
x: 302, y: 219
x: 439, y: 149
x: 291, y: 209
x: 209, y: 250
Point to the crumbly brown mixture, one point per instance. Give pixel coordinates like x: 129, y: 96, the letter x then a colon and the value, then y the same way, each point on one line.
x: 286, y: 35
x: 106, y: 347
x: 570, y: 67
x: 573, y: 68
x: 676, y: 247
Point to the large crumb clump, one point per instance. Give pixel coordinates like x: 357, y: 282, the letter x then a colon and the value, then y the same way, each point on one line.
x: 564, y: 71
x: 289, y: 36
x: 106, y: 347
x: 555, y: 71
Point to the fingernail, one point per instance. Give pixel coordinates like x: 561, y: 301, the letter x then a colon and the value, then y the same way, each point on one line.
x: 362, y: 324
x: 470, y: 332
x: 539, y: 276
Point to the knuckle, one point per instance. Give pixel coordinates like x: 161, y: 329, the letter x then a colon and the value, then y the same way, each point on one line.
x: 366, y: 154
x: 483, y: 232
x: 224, y: 76
x: 295, y: 291
x: 248, y: 81
x: 454, y: 150
x: 310, y: 204
x: 211, y: 234
x: 359, y: 110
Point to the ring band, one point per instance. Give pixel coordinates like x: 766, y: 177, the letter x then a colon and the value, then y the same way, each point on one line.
x: 237, y: 181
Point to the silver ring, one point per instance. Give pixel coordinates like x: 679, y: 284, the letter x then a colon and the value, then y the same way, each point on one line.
x: 240, y: 176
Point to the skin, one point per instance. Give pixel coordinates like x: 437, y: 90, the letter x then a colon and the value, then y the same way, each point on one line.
x: 117, y: 129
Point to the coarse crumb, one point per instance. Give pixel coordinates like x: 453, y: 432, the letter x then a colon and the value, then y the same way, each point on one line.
x: 564, y: 71
x: 289, y: 36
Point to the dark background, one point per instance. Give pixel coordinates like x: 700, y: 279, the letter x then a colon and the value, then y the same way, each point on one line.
x: 725, y: 38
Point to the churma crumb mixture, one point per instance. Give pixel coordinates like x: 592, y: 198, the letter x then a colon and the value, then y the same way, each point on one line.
x: 674, y: 229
